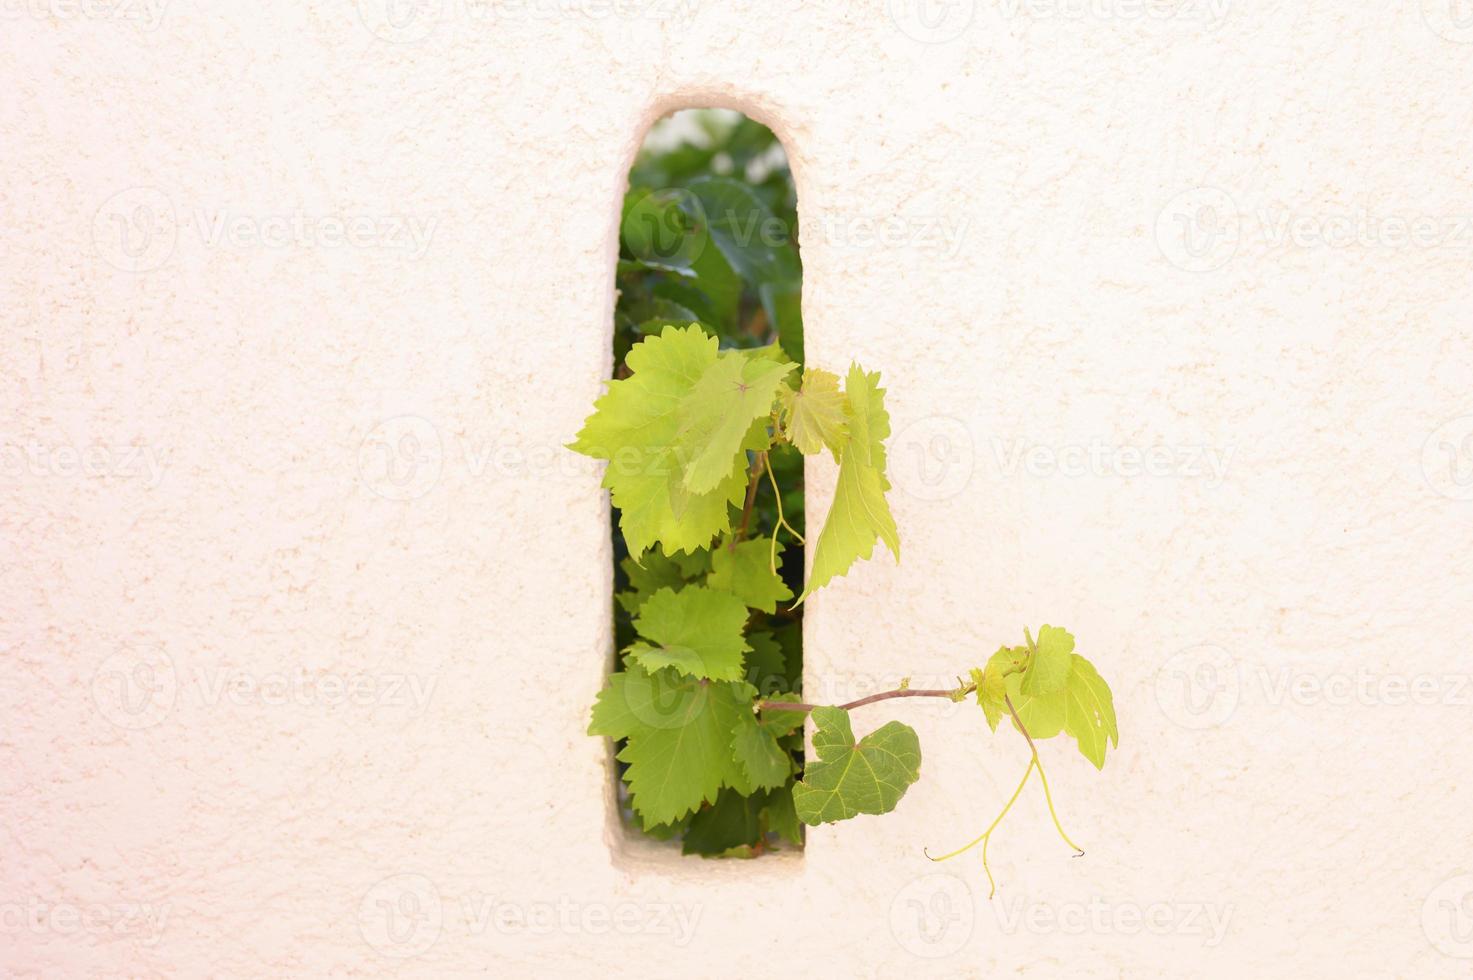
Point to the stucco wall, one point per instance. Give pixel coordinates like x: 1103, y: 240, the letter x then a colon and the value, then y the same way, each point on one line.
x: 303, y: 606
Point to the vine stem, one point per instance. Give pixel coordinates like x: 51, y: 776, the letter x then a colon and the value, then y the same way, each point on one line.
x: 747, y: 507
x: 956, y: 694
x: 951, y: 694
x: 1038, y: 764
x: 986, y: 837
x: 777, y: 496
x: 1034, y: 762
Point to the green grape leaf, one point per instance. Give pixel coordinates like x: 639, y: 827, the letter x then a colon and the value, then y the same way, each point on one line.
x: 715, y: 292
x: 634, y: 426
x: 731, y: 823
x: 781, y: 301
x: 613, y: 714
x: 781, y: 816
x: 741, y: 226
x: 697, y: 631
x: 678, y: 738
x: 666, y: 831
x: 763, y: 763
x: 717, y: 414
x: 790, y: 639
x: 657, y: 572
x: 1048, y: 671
x: 767, y: 669
x: 692, y: 564
x: 851, y: 778
x: 859, y: 515
x: 657, y: 231
x: 816, y: 415
x: 769, y: 352
x: 743, y: 570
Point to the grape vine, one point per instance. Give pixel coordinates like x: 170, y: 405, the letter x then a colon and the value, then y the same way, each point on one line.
x: 704, y: 430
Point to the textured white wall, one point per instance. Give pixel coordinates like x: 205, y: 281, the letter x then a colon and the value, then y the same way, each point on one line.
x: 302, y: 605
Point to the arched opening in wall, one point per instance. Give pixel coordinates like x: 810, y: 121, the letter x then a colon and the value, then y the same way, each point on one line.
x: 708, y: 550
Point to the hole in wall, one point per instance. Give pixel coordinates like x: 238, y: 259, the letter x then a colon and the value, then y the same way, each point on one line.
x: 708, y: 237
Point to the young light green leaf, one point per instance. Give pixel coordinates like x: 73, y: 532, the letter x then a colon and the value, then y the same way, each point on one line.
x: 697, y: 631
x: 816, y: 414
x: 869, y: 423
x: 1048, y: 671
x: 718, y: 412
x: 991, y: 681
x: 1090, y: 712
x: 634, y: 426
x: 1042, y: 714
x: 743, y: 570
x: 850, y: 778
x: 860, y: 514
x: 991, y: 690
x: 1082, y: 708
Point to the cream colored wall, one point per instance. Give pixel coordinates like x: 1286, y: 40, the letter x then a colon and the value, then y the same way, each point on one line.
x: 303, y: 605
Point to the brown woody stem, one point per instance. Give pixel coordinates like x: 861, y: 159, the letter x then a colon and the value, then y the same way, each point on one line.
x: 902, y: 692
